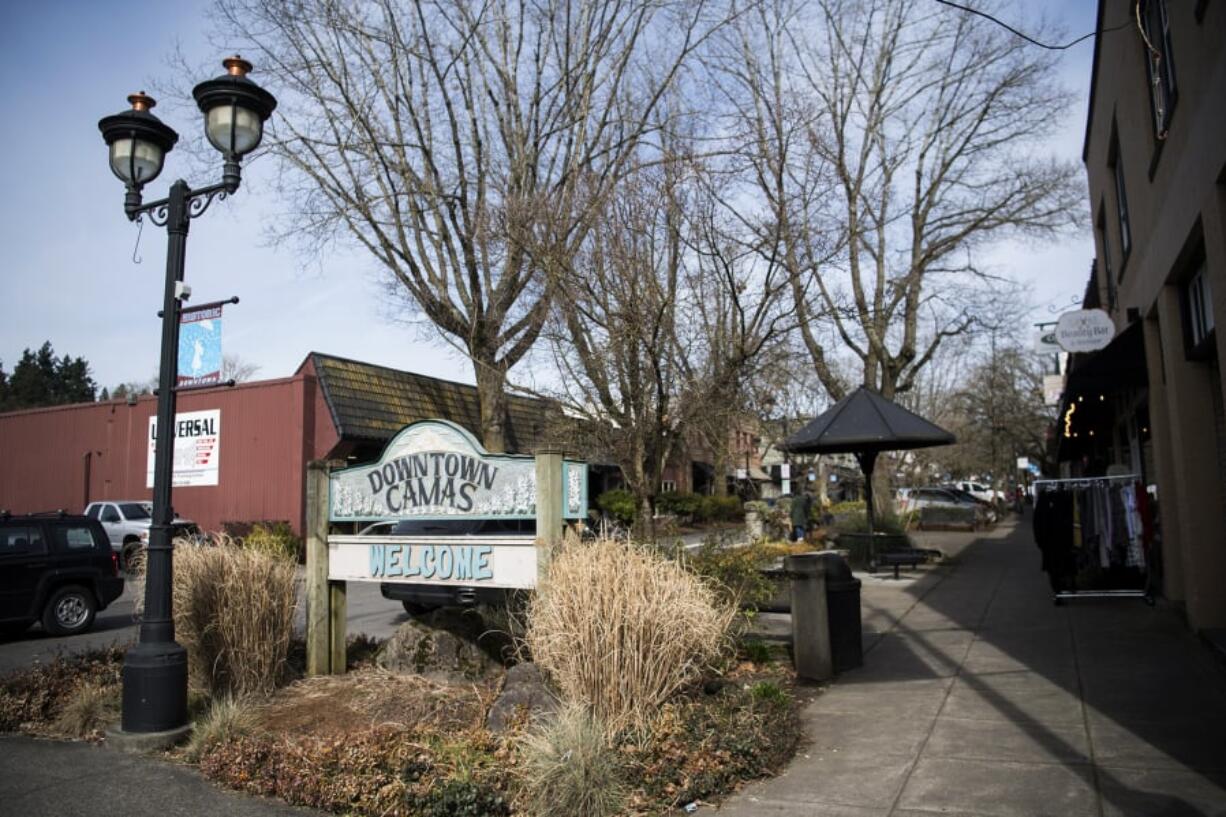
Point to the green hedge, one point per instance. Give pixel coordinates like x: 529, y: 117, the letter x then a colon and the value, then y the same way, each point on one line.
x: 621, y: 505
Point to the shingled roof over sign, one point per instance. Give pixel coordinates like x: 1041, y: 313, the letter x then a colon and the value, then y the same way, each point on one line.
x: 372, y: 403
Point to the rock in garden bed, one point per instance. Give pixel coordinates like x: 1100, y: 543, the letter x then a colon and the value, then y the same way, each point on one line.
x: 447, y: 645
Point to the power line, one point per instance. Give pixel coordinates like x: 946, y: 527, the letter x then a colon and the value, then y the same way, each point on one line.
x: 1028, y: 39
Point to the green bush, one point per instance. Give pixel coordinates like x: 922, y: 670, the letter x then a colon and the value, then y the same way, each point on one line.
x: 273, y: 538
x: 857, y: 522
x: 464, y: 798
x: 735, y: 572
x: 685, y: 505
x: 619, y: 504
x: 720, y: 509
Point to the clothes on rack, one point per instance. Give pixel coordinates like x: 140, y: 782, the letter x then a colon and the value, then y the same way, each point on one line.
x: 1092, y: 532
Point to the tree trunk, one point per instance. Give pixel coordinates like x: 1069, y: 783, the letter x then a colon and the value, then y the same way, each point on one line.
x: 492, y: 395
x: 719, y: 481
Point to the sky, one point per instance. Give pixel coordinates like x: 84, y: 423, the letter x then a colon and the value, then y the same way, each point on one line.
x: 68, y: 273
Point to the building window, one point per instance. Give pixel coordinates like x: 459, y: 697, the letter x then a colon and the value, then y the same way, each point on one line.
x: 1108, y: 275
x: 668, y: 486
x: 1159, y: 63
x: 1121, y: 201
x: 1198, y: 314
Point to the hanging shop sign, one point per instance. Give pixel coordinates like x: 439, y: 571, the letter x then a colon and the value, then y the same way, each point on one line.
x: 1084, y: 330
x: 200, y: 347
x: 197, y: 456
x: 1045, y: 342
x: 435, y: 470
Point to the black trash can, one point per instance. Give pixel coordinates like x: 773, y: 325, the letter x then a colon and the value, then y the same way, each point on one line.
x: 843, y: 609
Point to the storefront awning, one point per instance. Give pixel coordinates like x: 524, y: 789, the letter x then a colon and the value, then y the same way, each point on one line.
x: 1118, y: 367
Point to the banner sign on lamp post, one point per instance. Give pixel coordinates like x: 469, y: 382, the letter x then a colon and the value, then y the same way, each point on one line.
x: 200, y: 347
x: 1084, y: 330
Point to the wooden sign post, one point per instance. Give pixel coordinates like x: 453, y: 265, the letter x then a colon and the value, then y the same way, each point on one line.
x: 430, y: 472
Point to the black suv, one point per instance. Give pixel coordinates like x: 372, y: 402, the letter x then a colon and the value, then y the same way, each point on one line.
x: 57, y: 569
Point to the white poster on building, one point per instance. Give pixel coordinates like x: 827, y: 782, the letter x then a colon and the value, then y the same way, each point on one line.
x: 197, y: 448
x: 1053, y: 387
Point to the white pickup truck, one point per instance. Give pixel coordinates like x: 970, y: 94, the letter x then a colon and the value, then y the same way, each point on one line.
x: 981, y: 491
x: 127, y: 523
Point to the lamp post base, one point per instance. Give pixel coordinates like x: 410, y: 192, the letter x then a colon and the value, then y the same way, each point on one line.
x: 154, y: 688
x: 142, y: 743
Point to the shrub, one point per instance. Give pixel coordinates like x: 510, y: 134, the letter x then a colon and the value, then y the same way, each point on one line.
x: 227, y: 718
x: 720, y: 509
x: 89, y: 709
x: 684, y: 505
x: 569, y: 770
x: 857, y: 522
x: 275, y: 539
x: 464, y: 798
x: 234, y: 614
x: 620, y: 628
x: 735, y: 573
x: 847, y: 507
x: 619, y: 504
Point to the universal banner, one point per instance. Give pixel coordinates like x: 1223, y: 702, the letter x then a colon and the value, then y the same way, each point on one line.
x: 197, y: 448
x: 200, y: 347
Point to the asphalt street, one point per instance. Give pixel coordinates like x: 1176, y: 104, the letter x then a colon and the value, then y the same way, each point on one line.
x: 369, y: 613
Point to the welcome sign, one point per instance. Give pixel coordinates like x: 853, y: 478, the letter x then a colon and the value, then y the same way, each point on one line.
x: 473, y: 561
x: 435, y: 470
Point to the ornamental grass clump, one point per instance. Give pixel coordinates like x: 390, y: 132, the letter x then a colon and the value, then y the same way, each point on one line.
x: 234, y: 614
x: 569, y: 769
x: 620, y: 629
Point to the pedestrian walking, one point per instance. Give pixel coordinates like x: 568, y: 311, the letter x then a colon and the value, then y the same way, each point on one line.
x: 801, y: 505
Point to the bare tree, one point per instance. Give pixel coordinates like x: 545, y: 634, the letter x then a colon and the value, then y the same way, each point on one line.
x: 740, y: 316
x: 660, y: 325
x: 235, y: 368
x: 922, y: 122
x: 467, y: 144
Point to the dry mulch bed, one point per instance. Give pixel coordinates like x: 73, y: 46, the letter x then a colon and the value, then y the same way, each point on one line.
x: 378, y: 743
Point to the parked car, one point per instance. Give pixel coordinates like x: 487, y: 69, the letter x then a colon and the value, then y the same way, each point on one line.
x: 57, y: 569
x: 988, y: 508
x: 948, y: 497
x: 127, y: 524
x: 419, y: 599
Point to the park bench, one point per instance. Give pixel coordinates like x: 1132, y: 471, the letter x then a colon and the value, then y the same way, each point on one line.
x: 896, y: 556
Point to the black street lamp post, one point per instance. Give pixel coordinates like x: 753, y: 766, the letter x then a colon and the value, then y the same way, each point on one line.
x: 234, y: 108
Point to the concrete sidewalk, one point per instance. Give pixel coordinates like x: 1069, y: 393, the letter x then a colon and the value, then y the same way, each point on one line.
x: 979, y: 697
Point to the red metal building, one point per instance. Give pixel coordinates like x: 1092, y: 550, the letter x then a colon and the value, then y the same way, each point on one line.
x: 331, y: 408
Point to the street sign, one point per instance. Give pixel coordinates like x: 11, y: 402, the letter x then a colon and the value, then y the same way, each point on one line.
x: 1084, y: 330
x: 1023, y: 463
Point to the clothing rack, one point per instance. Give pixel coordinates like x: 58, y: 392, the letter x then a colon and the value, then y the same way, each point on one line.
x: 1074, y: 483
